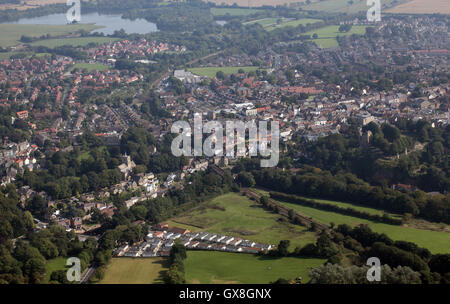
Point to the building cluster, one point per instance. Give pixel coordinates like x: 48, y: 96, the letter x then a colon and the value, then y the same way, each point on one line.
x: 161, y: 238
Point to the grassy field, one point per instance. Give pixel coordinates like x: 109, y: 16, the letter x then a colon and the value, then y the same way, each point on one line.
x: 271, y: 23
x: 242, y: 218
x: 435, y: 241
x: 217, y: 11
x: 11, y: 33
x: 211, y: 71
x: 55, y: 264
x: 422, y: 7
x: 340, y: 204
x: 254, y: 3
x: 90, y: 67
x: 326, y: 36
x: 135, y: 271
x: 81, y: 41
x: 292, y: 23
x: 207, y: 267
x: 343, y: 6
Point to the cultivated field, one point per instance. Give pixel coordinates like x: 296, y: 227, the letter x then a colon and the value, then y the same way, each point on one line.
x: 211, y: 71
x: 254, y: 3
x: 10, y: 34
x: 224, y: 268
x: 235, y: 215
x: 422, y: 7
x: 135, y: 271
x: 81, y: 41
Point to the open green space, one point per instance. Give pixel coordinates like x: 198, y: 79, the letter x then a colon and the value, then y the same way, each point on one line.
x: 344, y: 6
x: 90, y: 66
x: 135, y: 271
x: 292, y: 23
x: 326, y: 36
x: 435, y: 241
x: 218, y: 11
x: 11, y: 33
x: 54, y: 265
x: 79, y: 41
x: 211, y: 71
x: 236, y: 215
x: 212, y: 267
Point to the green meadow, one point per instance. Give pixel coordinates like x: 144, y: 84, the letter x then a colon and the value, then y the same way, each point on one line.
x: 272, y: 23
x: 90, y: 66
x: 209, y: 267
x: 435, y: 241
x: 54, y: 265
x: 236, y: 215
x: 344, y: 6
x: 135, y: 271
x: 211, y: 71
x: 11, y: 33
x: 326, y: 36
x: 218, y: 11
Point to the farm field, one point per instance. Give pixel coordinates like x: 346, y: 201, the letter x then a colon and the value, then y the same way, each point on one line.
x: 207, y: 267
x: 134, y: 271
x: 422, y: 7
x: 235, y: 215
x: 343, y: 6
x: 234, y: 11
x: 211, y: 71
x: 271, y: 23
x: 55, y: 264
x: 81, y: 41
x: 254, y: 3
x: 91, y: 67
x: 435, y: 241
x: 11, y: 33
x: 327, y: 35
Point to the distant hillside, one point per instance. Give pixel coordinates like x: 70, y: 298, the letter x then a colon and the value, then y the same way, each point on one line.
x: 422, y: 7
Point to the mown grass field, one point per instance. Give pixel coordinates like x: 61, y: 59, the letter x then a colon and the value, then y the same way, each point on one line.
x: 435, y: 241
x: 326, y: 36
x: 211, y: 71
x: 81, y: 41
x: 11, y: 33
x: 209, y: 267
x: 54, y: 265
x: 135, y: 271
x: 90, y: 66
x: 218, y: 11
x: 243, y: 218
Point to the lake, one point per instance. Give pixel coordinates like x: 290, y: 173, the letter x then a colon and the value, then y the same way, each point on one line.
x: 109, y: 23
